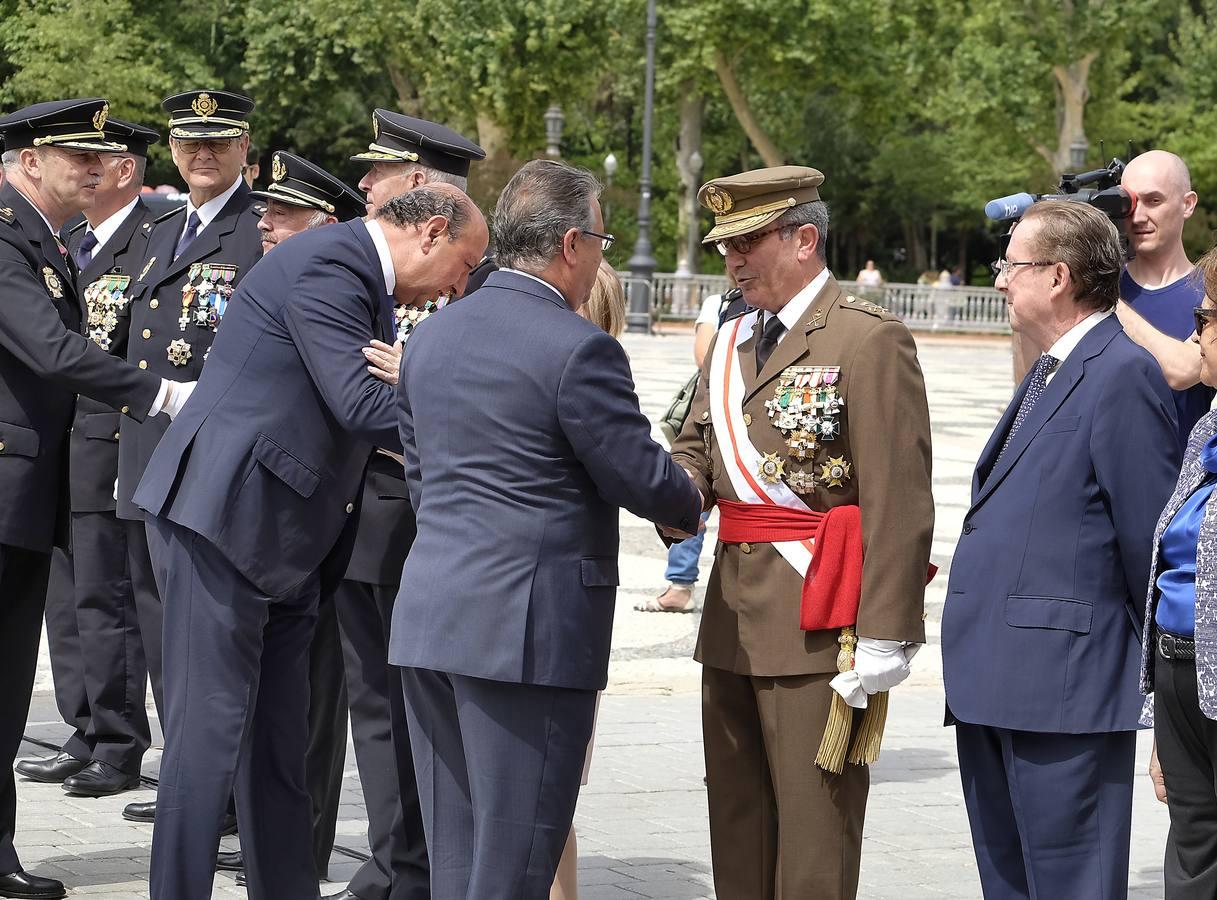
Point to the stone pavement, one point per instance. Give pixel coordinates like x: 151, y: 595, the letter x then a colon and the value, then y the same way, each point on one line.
x: 642, y: 819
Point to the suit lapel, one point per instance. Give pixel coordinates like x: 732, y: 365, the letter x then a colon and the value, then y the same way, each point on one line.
x: 1063, y: 382
x: 790, y: 349
x: 984, y: 465
x: 103, y: 261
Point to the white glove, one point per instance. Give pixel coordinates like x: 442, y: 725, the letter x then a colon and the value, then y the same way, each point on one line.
x: 878, y: 666
x: 178, y: 392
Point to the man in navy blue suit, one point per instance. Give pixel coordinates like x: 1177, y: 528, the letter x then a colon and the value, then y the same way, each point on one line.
x: 1041, y: 632
x: 516, y: 470
x: 248, y: 499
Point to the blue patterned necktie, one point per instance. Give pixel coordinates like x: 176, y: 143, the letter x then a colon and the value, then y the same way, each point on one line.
x: 84, y: 253
x: 192, y: 231
x: 1039, y: 381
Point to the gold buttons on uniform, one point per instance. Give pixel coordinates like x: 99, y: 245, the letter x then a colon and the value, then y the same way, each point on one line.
x: 350, y: 507
x: 116, y: 435
x: 147, y: 333
x: 745, y: 547
x: 143, y: 363
x: 747, y: 418
x: 705, y: 415
x: 153, y: 303
x: 1, y: 446
x: 126, y: 409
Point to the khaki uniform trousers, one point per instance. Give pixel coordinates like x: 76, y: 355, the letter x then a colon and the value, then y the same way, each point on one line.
x: 780, y: 828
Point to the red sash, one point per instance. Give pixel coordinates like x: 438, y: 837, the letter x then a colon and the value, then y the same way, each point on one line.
x: 832, y: 588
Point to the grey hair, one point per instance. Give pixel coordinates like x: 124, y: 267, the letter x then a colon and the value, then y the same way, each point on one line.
x: 10, y: 160
x: 543, y: 201
x: 317, y: 219
x: 813, y: 213
x: 436, y: 176
x: 417, y: 206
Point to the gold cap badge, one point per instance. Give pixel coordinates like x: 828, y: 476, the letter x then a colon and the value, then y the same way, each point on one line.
x: 204, y: 105
x: 375, y: 127
x: 99, y: 118
x: 718, y: 200
x: 278, y: 171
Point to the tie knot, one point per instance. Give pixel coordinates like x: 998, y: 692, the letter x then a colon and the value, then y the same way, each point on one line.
x: 88, y: 242
x: 773, y: 329
x: 193, y: 223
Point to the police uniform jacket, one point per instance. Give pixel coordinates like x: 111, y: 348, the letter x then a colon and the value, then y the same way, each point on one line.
x: 750, y: 621
x: 44, y: 362
x: 266, y: 459
x: 230, y: 239
x: 95, y: 429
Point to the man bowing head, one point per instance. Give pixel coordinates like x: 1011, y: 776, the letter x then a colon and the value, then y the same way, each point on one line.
x: 248, y: 498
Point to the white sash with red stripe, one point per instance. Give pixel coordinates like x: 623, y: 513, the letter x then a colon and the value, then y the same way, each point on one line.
x: 740, y: 458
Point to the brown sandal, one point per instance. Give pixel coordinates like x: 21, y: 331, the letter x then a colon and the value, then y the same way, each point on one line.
x: 655, y: 604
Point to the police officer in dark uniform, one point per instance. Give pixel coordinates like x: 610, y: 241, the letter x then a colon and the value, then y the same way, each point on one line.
x: 52, y: 167
x: 405, y: 153
x: 197, y: 255
x: 92, y: 633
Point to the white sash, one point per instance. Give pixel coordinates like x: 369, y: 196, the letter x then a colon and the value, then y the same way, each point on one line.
x: 740, y: 458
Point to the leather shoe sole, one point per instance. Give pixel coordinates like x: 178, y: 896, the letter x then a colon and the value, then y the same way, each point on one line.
x: 24, y: 886
x: 229, y: 861
x: 342, y: 895
x: 99, y: 779
x: 50, y: 771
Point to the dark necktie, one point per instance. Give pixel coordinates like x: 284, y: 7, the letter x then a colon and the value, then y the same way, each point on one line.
x: 84, y: 253
x: 768, y: 340
x: 192, y: 231
x: 1039, y: 381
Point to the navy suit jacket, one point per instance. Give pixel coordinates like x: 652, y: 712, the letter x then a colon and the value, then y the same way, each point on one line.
x: 1042, y: 625
x: 267, y: 457
x: 522, y: 438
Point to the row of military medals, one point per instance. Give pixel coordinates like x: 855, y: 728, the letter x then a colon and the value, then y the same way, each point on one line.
x: 805, y: 408
x: 406, y: 318
x: 205, y: 296
x: 105, y: 299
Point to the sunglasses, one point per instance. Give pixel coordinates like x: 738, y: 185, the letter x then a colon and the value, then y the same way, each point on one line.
x: 215, y: 147
x: 745, y: 242
x: 1204, y: 315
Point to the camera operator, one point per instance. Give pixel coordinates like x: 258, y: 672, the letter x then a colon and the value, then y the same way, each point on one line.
x: 1158, y: 288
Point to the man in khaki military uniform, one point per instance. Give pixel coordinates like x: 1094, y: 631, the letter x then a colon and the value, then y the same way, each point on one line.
x: 811, y: 433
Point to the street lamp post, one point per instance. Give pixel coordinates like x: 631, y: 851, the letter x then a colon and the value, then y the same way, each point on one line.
x: 642, y: 264
x: 553, y: 131
x: 610, y: 169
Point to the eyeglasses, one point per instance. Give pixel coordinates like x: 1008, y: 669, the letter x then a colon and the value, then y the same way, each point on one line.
x: 1004, y: 266
x: 215, y: 147
x: 744, y: 243
x: 1204, y: 315
x: 606, y: 240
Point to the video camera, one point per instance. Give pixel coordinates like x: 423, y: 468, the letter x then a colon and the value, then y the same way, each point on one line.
x: 1100, y: 188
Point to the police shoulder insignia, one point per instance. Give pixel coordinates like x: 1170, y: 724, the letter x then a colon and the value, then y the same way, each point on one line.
x: 79, y: 225
x: 147, y: 226
x: 852, y: 302
x: 6, y: 215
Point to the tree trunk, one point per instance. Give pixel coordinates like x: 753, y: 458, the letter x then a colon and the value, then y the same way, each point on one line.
x: 492, y: 136
x: 692, y: 108
x: 1072, y: 92
x: 407, y: 94
x: 768, y: 150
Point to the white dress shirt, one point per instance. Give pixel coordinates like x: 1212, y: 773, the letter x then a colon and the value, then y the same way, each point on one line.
x: 1068, y: 341
x: 209, y: 210
x: 790, y: 314
x: 110, y: 226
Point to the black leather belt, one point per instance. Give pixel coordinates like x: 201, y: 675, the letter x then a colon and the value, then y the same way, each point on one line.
x: 1174, y: 646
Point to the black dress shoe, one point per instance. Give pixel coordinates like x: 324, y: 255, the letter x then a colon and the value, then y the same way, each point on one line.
x: 240, y: 879
x: 50, y: 771
x: 24, y: 885
x: 229, y: 861
x: 99, y: 779
x: 140, y: 812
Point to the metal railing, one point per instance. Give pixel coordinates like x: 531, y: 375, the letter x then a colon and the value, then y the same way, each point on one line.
x: 976, y: 310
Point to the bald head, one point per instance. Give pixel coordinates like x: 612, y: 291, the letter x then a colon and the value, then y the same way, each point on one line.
x: 1162, y: 185
x: 1160, y: 166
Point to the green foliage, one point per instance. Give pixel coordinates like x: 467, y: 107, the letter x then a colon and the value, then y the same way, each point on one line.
x: 917, y: 111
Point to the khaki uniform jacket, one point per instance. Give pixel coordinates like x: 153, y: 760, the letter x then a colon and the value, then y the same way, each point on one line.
x: 750, y: 621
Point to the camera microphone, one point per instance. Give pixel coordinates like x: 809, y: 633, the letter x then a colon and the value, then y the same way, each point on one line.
x: 1011, y: 207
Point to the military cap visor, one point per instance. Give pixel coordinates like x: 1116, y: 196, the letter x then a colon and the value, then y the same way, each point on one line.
x: 401, y: 138
x: 751, y: 200
x: 298, y: 182
x: 70, y: 124
x: 137, y: 138
x: 207, y: 115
